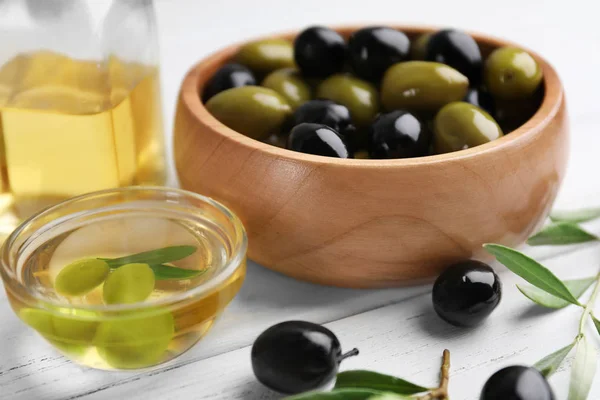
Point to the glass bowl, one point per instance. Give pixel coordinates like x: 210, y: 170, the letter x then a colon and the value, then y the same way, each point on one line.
x: 109, y: 225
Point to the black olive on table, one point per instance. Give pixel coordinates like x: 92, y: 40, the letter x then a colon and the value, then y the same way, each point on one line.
x: 466, y: 293
x: 481, y: 98
x: 320, y: 52
x: 297, y: 356
x: 517, y: 383
x: 398, y: 134
x: 373, y: 50
x: 458, y: 50
x: 317, y: 139
x: 227, y: 77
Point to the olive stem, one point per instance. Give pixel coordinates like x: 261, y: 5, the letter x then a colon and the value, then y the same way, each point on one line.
x: 351, y: 353
x: 589, y: 306
x: 441, y: 393
x: 445, y: 374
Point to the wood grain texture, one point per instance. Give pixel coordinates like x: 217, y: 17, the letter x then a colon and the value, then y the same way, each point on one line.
x: 30, y: 368
x: 404, y: 339
x: 373, y: 223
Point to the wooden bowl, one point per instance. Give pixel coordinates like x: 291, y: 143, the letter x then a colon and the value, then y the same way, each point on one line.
x: 374, y: 223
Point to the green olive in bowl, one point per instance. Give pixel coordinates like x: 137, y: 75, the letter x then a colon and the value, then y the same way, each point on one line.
x: 421, y: 86
x: 267, y: 55
x: 253, y: 111
x: 418, y: 49
x: 459, y: 125
x: 359, y: 96
x: 290, y: 84
x: 511, y: 73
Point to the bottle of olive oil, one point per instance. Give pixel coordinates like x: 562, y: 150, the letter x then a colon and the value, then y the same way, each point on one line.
x: 80, y: 108
x: 70, y: 126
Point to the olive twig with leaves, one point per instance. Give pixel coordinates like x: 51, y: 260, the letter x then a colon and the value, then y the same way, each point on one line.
x: 369, y: 385
x: 549, y: 291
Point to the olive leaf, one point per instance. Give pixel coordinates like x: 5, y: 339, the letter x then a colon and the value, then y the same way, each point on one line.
x: 549, y: 364
x: 157, y: 260
x: 153, y: 257
x: 576, y: 286
x: 576, y: 216
x: 531, y: 271
x: 166, y: 272
x: 596, y: 323
x: 373, y: 380
x: 561, y: 233
x: 584, y: 369
x: 390, y: 396
x: 337, y: 394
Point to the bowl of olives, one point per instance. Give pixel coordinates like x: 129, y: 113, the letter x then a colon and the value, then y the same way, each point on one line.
x: 374, y: 156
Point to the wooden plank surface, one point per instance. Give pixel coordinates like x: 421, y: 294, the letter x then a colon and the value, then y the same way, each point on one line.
x: 395, y: 329
x: 405, y: 338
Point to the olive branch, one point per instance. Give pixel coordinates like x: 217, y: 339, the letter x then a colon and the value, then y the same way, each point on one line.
x: 545, y: 289
x: 549, y: 291
x: 369, y: 385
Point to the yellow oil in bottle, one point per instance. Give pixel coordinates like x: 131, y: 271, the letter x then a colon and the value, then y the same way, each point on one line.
x: 69, y: 127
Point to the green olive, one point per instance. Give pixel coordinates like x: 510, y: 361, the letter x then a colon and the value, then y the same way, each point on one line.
x: 422, y: 86
x: 265, y: 56
x: 460, y: 125
x: 135, y: 341
x: 70, y: 332
x: 130, y: 283
x: 512, y: 73
x: 288, y: 83
x: 39, y: 320
x: 81, y: 277
x: 253, y: 111
x: 419, y: 47
x: 360, y: 97
x: 78, y: 326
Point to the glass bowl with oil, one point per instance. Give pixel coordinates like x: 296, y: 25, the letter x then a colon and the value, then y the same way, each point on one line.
x: 125, y: 278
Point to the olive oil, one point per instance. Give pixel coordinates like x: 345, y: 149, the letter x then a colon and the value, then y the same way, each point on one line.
x: 69, y: 126
x: 100, y: 334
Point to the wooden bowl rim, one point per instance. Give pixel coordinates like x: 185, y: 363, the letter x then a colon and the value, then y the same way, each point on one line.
x: 196, y: 78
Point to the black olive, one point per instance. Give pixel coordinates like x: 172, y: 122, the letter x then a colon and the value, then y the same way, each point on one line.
x: 325, y: 112
x: 511, y: 114
x: 319, y: 52
x: 330, y: 113
x: 373, y: 50
x: 458, y: 50
x: 517, y: 383
x: 227, y: 77
x: 398, y: 134
x: 317, y: 139
x: 297, y: 356
x: 481, y: 98
x: 466, y: 293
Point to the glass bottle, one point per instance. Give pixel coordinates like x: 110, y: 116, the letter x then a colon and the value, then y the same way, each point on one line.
x: 80, y: 106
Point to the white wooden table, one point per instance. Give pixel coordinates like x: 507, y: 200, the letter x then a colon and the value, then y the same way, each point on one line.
x: 396, y: 330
